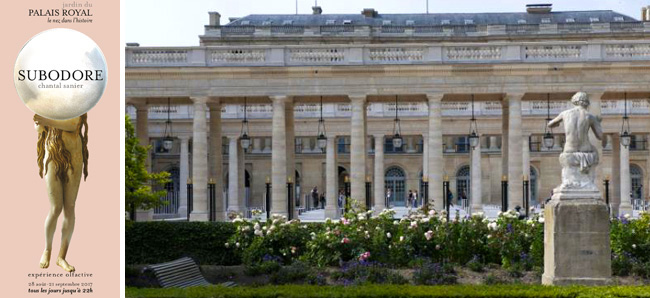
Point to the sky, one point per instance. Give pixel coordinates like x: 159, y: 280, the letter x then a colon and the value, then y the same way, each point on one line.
x: 180, y: 22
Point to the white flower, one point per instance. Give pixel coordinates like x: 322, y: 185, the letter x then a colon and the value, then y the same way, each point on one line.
x: 428, y: 235
x: 633, y: 245
x: 530, y: 221
x: 328, y: 220
x: 396, y: 223
x: 259, y: 233
x: 489, y: 236
x: 414, y: 224
x: 401, y: 238
x: 627, y: 216
x: 541, y: 220
x: 313, y: 235
x: 432, y: 212
x: 388, y: 235
x: 237, y: 244
x: 226, y: 244
x: 492, y: 226
x: 257, y: 226
x: 264, y: 228
x: 367, y: 235
x: 237, y: 220
x: 437, y: 246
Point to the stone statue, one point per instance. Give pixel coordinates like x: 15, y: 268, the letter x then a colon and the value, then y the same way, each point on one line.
x: 580, y: 157
x: 62, y: 159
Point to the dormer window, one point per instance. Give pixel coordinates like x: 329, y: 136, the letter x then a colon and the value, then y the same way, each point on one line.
x: 330, y: 22
x: 521, y: 21
x: 267, y: 23
x: 287, y: 22
x: 570, y: 20
x: 245, y: 23
x: 594, y: 20
x: 445, y: 22
x: 546, y: 20
x: 619, y: 19
x: 386, y: 22
x: 469, y: 22
x: 347, y: 22
x: 410, y: 22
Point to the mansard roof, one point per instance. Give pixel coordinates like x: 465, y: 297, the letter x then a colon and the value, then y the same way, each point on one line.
x: 434, y: 19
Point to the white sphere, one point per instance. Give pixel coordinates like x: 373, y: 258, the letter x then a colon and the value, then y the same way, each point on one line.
x: 60, y: 74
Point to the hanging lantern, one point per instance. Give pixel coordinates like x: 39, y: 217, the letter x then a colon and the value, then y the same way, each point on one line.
x: 321, y: 140
x: 473, y: 137
x: 626, y: 137
x: 244, y: 138
x: 168, y: 140
x: 397, y: 138
x: 549, y: 141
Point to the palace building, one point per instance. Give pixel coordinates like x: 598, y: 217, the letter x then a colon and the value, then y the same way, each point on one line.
x: 324, y: 100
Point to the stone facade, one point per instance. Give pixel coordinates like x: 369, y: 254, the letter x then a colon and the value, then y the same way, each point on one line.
x: 358, y: 73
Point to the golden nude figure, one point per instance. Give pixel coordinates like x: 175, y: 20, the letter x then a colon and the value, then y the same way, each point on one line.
x: 62, y: 158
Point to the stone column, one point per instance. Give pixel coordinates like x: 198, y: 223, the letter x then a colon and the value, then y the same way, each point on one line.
x: 626, y: 182
x: 436, y: 165
x: 358, y: 148
x: 216, y: 159
x: 526, y: 163
x: 241, y: 182
x: 615, y: 179
x: 184, y: 176
x: 200, y: 161
x: 142, y: 132
x: 380, y: 188
x: 515, y: 183
x: 331, y: 174
x: 425, y: 156
x: 279, y: 157
x: 291, y: 153
x: 233, y: 174
x: 475, y: 172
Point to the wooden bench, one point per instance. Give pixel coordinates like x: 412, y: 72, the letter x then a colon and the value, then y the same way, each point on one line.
x: 180, y: 273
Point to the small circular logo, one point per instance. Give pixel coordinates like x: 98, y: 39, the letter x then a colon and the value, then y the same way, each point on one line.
x: 60, y: 74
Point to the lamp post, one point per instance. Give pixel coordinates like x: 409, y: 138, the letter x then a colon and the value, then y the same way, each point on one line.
x: 473, y: 129
x: 626, y: 137
x: 445, y: 191
x: 425, y: 186
x: 168, y: 139
x: 504, y: 193
x: 190, y: 199
x: 268, y: 197
x: 397, y: 137
x: 606, y: 183
x: 526, y: 197
x: 321, y: 140
x: 211, y: 193
x: 346, y: 183
x: 244, y: 138
x: 368, y: 192
x: 549, y: 141
x: 289, y: 198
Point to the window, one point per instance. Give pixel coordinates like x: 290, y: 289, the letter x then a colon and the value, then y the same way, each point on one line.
x: 410, y: 22
x: 521, y: 22
x: 245, y: 23
x: 267, y: 23
x: 594, y: 20
x: 469, y: 22
x: 287, y: 22
x: 570, y: 20
x: 445, y: 22
x: 386, y: 22
x: 347, y: 22
x: 330, y: 22
x: 546, y: 20
x: 619, y: 19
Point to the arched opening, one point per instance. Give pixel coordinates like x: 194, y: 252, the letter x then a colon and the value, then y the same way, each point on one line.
x: 343, y: 172
x: 296, y: 190
x: 247, y: 188
x: 395, y: 181
x: 636, y: 177
x: 533, y: 186
x: 173, y: 187
x: 463, y: 185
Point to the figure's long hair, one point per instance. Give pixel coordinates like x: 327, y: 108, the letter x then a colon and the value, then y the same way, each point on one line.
x: 57, y: 153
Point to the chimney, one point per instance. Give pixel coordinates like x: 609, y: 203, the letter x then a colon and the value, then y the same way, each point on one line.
x: 215, y: 18
x: 369, y: 12
x: 316, y: 10
x: 644, y: 12
x: 539, y: 8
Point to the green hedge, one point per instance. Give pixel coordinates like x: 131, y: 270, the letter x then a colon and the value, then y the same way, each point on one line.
x: 300, y: 291
x: 156, y: 242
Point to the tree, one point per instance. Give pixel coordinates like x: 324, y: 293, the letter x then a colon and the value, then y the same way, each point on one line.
x: 137, y: 180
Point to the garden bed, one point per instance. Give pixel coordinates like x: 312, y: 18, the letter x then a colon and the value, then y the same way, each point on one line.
x: 304, y: 291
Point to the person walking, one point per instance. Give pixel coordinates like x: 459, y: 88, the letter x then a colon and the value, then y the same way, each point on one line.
x: 314, y: 197
x: 415, y: 199
x: 409, y: 200
x: 389, y: 195
x: 341, y: 198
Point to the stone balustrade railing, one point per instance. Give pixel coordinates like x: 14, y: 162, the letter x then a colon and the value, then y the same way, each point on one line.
x: 387, y: 110
x: 431, y: 31
x: 354, y: 54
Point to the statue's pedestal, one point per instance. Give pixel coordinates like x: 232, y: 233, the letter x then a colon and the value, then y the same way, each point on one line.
x: 576, y: 239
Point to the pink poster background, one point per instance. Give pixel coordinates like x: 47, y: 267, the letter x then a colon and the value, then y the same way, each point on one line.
x: 95, y: 246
